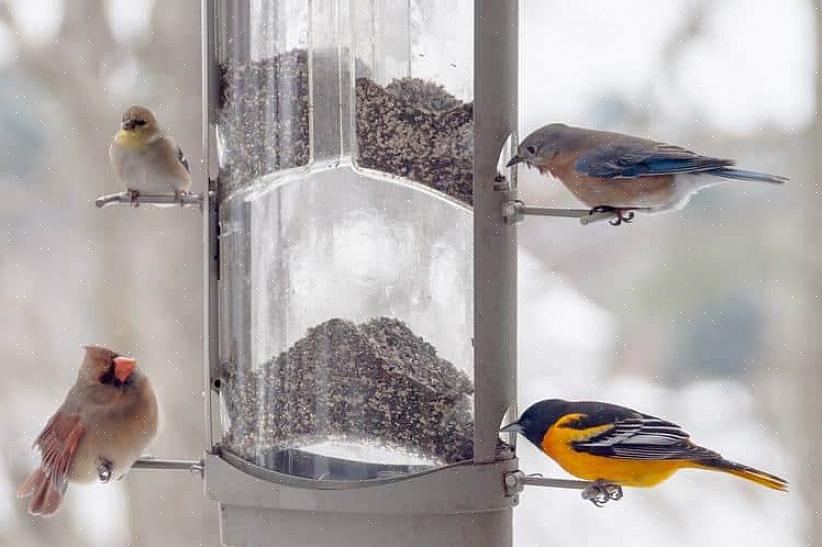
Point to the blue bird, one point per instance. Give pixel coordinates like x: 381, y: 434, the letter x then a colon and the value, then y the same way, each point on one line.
x: 612, y: 172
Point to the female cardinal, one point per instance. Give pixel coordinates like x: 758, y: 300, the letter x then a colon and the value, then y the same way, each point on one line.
x: 108, y: 418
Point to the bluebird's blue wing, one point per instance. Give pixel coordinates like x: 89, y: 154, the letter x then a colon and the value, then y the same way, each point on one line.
x: 628, y: 159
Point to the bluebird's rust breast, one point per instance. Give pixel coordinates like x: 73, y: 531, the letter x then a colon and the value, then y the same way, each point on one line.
x: 651, y: 192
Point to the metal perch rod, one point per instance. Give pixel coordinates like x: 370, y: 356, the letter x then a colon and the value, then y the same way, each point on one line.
x: 599, y: 493
x: 570, y: 484
x: 195, y: 466
x: 584, y: 215
x: 514, y: 211
x: 517, y: 480
x: 128, y: 198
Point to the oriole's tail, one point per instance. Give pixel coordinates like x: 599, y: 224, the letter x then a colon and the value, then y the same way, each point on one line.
x: 745, y: 472
x: 742, y: 174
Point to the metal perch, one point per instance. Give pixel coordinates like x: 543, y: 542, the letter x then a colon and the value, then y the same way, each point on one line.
x: 599, y: 493
x: 194, y: 466
x: 163, y: 199
x: 515, y: 211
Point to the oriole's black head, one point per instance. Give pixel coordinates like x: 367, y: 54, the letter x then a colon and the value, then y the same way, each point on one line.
x: 537, y: 418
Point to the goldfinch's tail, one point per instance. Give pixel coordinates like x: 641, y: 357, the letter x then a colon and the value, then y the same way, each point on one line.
x: 745, y: 472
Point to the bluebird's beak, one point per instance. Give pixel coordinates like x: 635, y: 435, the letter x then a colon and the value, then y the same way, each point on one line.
x: 513, y: 428
x: 515, y: 160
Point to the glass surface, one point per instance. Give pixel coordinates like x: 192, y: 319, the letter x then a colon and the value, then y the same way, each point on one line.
x: 263, y: 101
x: 346, y: 325
x: 346, y: 291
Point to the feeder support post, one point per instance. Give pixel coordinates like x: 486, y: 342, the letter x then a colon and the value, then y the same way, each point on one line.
x: 495, y: 241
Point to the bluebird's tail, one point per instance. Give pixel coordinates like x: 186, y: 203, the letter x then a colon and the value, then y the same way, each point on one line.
x: 741, y: 174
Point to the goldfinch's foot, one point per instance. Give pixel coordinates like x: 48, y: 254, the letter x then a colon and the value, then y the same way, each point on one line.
x: 104, y: 471
x: 601, y: 492
x: 133, y: 195
x: 623, y: 214
x: 179, y: 195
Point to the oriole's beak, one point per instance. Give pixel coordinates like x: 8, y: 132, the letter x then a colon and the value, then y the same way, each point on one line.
x: 123, y: 367
x: 515, y: 160
x: 512, y: 428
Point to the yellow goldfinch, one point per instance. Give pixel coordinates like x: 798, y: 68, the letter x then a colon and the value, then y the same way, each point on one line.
x: 147, y: 160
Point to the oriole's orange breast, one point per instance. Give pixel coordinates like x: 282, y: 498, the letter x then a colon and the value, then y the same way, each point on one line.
x: 557, y: 444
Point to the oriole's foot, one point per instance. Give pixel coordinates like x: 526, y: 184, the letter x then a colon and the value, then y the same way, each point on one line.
x: 601, y: 492
x: 623, y: 214
x: 104, y: 470
x: 133, y: 195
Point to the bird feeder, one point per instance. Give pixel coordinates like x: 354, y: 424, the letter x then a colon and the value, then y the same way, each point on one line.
x: 361, y: 274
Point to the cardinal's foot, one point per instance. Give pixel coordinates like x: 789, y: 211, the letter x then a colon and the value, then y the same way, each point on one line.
x: 104, y: 470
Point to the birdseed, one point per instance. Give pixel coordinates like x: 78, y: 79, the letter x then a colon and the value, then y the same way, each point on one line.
x: 375, y: 382
x: 415, y: 129
x: 263, y: 120
x: 411, y: 128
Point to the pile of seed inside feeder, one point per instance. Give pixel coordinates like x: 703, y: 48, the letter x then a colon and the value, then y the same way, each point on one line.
x: 376, y: 382
x: 415, y: 129
x: 410, y: 128
x: 263, y: 117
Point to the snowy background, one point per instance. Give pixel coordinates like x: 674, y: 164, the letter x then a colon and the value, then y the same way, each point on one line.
x: 709, y: 317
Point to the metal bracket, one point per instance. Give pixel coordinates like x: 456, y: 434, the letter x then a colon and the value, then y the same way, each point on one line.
x: 194, y: 466
x: 598, y: 493
x: 128, y: 198
x: 515, y: 211
x: 501, y: 184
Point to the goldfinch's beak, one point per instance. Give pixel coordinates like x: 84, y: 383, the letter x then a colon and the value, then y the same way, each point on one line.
x: 127, y: 126
x: 515, y: 160
x: 513, y: 428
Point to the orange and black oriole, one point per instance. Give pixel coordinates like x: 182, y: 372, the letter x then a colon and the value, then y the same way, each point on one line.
x: 609, y: 443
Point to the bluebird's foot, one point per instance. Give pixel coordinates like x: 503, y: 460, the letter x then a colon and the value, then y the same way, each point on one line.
x: 133, y: 195
x: 104, y: 470
x: 601, y: 492
x: 623, y: 214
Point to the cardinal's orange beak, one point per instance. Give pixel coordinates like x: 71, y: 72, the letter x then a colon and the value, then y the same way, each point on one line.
x: 123, y: 367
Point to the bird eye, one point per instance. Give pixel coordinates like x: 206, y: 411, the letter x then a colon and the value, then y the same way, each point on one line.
x: 531, y: 149
x: 139, y: 122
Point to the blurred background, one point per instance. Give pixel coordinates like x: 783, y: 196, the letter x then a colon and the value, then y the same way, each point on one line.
x: 709, y: 317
